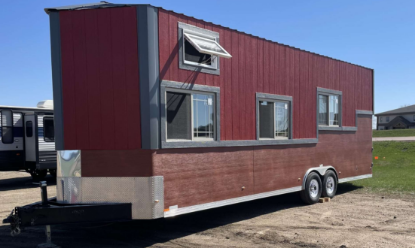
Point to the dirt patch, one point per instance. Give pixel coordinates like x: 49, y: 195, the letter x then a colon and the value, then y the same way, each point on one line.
x: 350, y: 220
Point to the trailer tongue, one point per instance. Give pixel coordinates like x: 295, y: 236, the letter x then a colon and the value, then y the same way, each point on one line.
x: 49, y: 212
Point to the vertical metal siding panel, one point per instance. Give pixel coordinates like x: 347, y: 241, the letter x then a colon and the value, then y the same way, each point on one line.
x: 218, y: 81
x: 248, y: 58
x: 297, y: 104
x: 174, y: 47
x: 283, y: 70
x: 241, y: 86
x: 303, y: 94
x: 252, y: 97
x: 266, y: 67
x: 235, y: 86
x: 277, y: 74
x: 209, y: 77
x: 164, y: 44
x: 313, y: 85
x: 132, y: 78
x: 260, y: 66
x: 227, y: 93
x: 184, y: 75
x: 105, y: 78
x: 80, y: 81
x: 120, y: 132
x: 68, y: 74
x: 200, y: 77
x: 93, y: 84
x: 271, y: 56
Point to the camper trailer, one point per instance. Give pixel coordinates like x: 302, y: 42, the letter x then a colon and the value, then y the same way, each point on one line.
x: 159, y: 114
x: 27, y: 139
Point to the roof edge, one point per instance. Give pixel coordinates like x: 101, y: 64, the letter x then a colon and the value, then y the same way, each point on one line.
x: 104, y: 4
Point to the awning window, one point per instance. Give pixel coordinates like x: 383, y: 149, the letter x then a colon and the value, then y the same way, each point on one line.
x: 207, y: 46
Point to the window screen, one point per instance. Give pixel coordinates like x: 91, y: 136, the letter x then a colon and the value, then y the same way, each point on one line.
x: 334, y: 110
x: 193, y: 55
x: 29, y: 129
x: 266, y: 119
x: 203, y: 116
x: 48, y: 129
x: 7, y: 126
x: 281, y: 119
x: 178, y: 116
x: 322, y: 110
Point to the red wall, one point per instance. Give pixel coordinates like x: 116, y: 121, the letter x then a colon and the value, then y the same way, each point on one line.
x: 258, y: 65
x: 100, y: 79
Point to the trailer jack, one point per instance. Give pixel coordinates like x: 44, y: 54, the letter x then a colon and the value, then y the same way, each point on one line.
x: 50, y: 212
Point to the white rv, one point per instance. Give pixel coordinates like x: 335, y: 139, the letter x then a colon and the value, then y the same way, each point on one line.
x: 27, y: 139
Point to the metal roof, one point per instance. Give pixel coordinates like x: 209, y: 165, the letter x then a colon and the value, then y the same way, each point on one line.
x: 405, y: 110
x: 26, y: 108
x: 104, y: 4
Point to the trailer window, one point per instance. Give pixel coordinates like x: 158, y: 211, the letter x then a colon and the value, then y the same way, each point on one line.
x: 190, y: 116
x: 7, y: 127
x: 29, y: 129
x: 329, y: 110
x: 48, y: 129
x: 274, y: 119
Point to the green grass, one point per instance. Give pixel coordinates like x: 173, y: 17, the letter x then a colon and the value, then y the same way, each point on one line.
x: 394, y: 133
x: 394, y: 171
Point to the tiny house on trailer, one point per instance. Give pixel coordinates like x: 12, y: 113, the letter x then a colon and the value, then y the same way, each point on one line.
x: 172, y: 114
x: 27, y: 139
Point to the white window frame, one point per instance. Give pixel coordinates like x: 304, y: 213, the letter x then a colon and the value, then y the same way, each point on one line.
x: 190, y: 37
x: 380, y: 119
x: 339, y: 97
x: 191, y: 93
x: 387, y: 119
x: 214, y: 58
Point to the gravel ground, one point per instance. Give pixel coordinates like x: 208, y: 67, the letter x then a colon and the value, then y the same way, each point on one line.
x: 352, y: 219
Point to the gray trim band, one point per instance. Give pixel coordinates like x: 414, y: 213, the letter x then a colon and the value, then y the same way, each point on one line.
x: 348, y: 179
x: 55, y: 47
x: 196, y: 68
x: 164, y: 86
x: 325, y: 91
x: 229, y: 143
x: 148, y: 54
x: 271, y: 97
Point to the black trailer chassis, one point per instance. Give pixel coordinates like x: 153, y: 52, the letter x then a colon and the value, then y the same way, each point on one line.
x: 49, y: 212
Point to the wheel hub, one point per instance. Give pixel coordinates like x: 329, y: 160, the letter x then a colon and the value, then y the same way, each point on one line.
x: 314, y: 188
x: 330, y: 185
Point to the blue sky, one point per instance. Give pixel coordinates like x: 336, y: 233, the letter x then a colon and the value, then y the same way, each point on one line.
x: 375, y: 34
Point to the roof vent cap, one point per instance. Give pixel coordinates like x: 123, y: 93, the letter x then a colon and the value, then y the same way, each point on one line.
x: 46, y: 104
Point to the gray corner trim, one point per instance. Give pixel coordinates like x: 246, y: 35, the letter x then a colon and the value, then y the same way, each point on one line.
x: 373, y: 90
x: 55, y: 47
x: 233, y: 143
x: 164, y: 86
x: 148, y: 54
x: 329, y: 91
x: 195, y: 68
x: 272, y: 97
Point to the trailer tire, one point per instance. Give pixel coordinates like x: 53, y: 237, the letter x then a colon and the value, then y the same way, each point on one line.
x: 38, y: 175
x: 312, y: 192
x: 329, y: 184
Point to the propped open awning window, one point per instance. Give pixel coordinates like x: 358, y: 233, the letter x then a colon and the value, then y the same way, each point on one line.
x: 207, y: 46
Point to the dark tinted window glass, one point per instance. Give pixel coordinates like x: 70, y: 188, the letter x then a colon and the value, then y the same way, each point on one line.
x: 48, y: 129
x: 7, y: 126
x: 322, y: 110
x: 266, y: 119
x: 178, y: 116
x: 29, y: 129
x: 192, y: 54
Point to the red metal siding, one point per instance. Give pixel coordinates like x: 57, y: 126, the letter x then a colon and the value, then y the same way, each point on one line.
x: 100, y: 79
x: 258, y: 65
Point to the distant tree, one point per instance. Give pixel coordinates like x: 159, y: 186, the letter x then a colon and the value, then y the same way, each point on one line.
x: 405, y: 105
